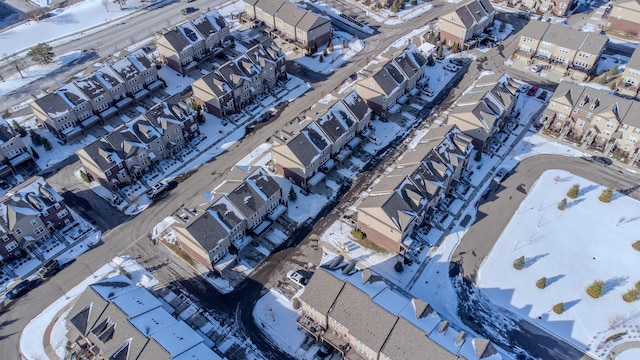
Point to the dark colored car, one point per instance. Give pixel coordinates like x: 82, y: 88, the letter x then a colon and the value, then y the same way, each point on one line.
x: 602, y: 160
x: 532, y: 91
x: 20, y: 289
x: 49, y: 269
x: 543, y: 95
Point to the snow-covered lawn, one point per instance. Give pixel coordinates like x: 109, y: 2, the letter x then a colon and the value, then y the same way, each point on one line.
x: 589, y: 240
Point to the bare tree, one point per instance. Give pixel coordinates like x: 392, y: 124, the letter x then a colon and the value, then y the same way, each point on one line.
x: 122, y: 3
x: 18, y: 63
x: 106, y: 4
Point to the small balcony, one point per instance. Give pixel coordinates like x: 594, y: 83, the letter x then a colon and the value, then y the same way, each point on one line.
x: 310, y: 326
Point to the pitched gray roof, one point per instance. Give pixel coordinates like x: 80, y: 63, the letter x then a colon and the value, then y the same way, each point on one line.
x: 246, y: 199
x: 408, y: 342
x: 269, y: 6
x: 634, y: 61
x: 176, y: 39
x: 331, y: 126
x: 356, y: 105
x: 264, y: 182
x: 367, y: 321
x: 303, y: 149
x: 52, y: 104
x: 564, y: 36
x: 289, y: 13
x: 311, y: 21
x: 534, y: 29
x: 322, y: 291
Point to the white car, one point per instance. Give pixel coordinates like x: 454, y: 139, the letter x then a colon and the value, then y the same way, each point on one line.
x: 451, y: 67
x: 500, y: 175
x: 536, y: 68
x: 297, y: 277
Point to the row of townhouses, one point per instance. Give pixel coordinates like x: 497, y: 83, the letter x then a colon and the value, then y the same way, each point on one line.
x: 30, y: 214
x: 629, y: 81
x: 13, y: 151
x: 117, y: 320
x: 286, y: 20
x: 344, y: 311
x: 324, y: 136
x: 190, y: 43
x: 77, y: 106
x: 624, y: 17
x: 595, y: 119
x: 130, y: 150
x: 235, y: 84
x: 403, y: 197
x: 545, y: 7
x: 393, y: 74
x: 242, y: 206
x: 465, y: 24
x: 560, y: 48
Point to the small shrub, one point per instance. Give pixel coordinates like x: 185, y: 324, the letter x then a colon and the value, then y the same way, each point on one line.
x: 573, y: 192
x: 292, y: 195
x: 558, y: 308
x: 398, y: 266
x: 606, y: 195
x: 46, y: 144
x: 519, y: 263
x: 638, y: 285
x: 295, y: 303
x: 595, y: 289
x: 358, y: 234
x: 636, y: 245
x: 541, y: 283
x: 615, y: 336
x: 631, y: 295
x: 562, y: 204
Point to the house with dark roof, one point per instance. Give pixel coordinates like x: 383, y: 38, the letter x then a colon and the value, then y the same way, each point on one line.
x: 481, y: 112
x: 463, y: 25
x: 114, y: 319
x: 561, y: 49
x: 138, y: 74
x: 191, y: 42
x: 13, y: 151
x: 29, y: 214
x: 130, y: 150
x: 287, y: 20
x: 385, y: 81
x: 345, y: 312
x: 406, y: 195
x: 236, y: 83
x: 594, y: 119
x: 244, y: 205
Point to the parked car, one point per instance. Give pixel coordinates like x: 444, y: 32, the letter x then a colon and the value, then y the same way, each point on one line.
x: 457, y: 62
x: 500, y: 175
x: 20, y: 289
x: 49, y: 269
x: 324, y: 352
x: 451, y: 67
x: 427, y: 92
x: 188, y: 10
x: 602, y: 160
x: 297, y: 277
x: 157, y: 189
x: 532, y: 91
x: 536, y: 68
x: 543, y: 95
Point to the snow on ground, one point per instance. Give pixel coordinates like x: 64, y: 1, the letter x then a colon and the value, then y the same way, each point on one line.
x: 607, y: 62
x: 334, y: 59
x: 31, y: 346
x: 306, y: 205
x: 599, y: 249
x: 275, y: 314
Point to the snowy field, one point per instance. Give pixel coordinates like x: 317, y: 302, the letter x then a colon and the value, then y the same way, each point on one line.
x: 598, y: 249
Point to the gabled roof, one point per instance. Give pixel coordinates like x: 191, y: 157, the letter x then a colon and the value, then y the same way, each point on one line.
x: 322, y: 291
x: 53, y: 105
x: 289, y: 13
x: 634, y: 61
x: 565, y: 37
x: 207, y: 230
x: 356, y: 105
x: 176, y: 39
x: 303, y: 149
x: 269, y: 6
x: 92, y: 86
x: 408, y: 342
x: 209, y: 23
x: 311, y: 21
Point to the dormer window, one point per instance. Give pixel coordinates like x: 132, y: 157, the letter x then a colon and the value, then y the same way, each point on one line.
x: 109, y: 158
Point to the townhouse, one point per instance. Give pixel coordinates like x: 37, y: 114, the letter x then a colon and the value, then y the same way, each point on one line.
x: 561, y: 49
x: 122, y: 156
x: 326, y: 135
x: 625, y: 18
x: 13, y: 152
x: 407, y: 194
x: 629, y: 82
x: 345, y: 311
x: 236, y: 83
x: 286, y: 20
x: 466, y: 23
x: 30, y: 213
x: 191, y: 42
x: 115, y: 319
x: 546, y: 7
x: 594, y: 119
x: 244, y: 205
x: 483, y: 109
x: 71, y: 110
x: 384, y: 81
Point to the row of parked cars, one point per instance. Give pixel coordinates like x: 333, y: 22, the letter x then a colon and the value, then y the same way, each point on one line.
x: 47, y: 270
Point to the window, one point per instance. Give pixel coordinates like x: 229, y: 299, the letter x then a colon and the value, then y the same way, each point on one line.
x: 10, y: 246
x: 18, y: 231
x: 5, y: 238
x: 631, y: 139
x: 39, y: 230
x: 107, y: 172
x: 57, y: 206
x: 33, y: 222
x: 45, y: 213
x: 62, y: 214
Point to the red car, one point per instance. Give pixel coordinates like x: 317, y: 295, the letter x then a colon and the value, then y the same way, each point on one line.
x: 532, y: 91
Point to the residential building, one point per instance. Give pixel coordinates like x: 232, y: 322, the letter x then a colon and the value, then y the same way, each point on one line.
x: 594, y: 119
x: 625, y: 17
x: 122, y: 156
x: 325, y: 135
x: 286, y: 20
x: 345, y: 311
x: 407, y: 194
x: 629, y: 81
x: 29, y: 215
x: 191, y: 42
x: 546, y: 7
x: 383, y: 82
x: 236, y: 83
x: 115, y: 319
x: 561, y: 49
x: 482, y: 111
x: 96, y: 89
x: 244, y: 205
x: 464, y: 24
x: 13, y: 152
